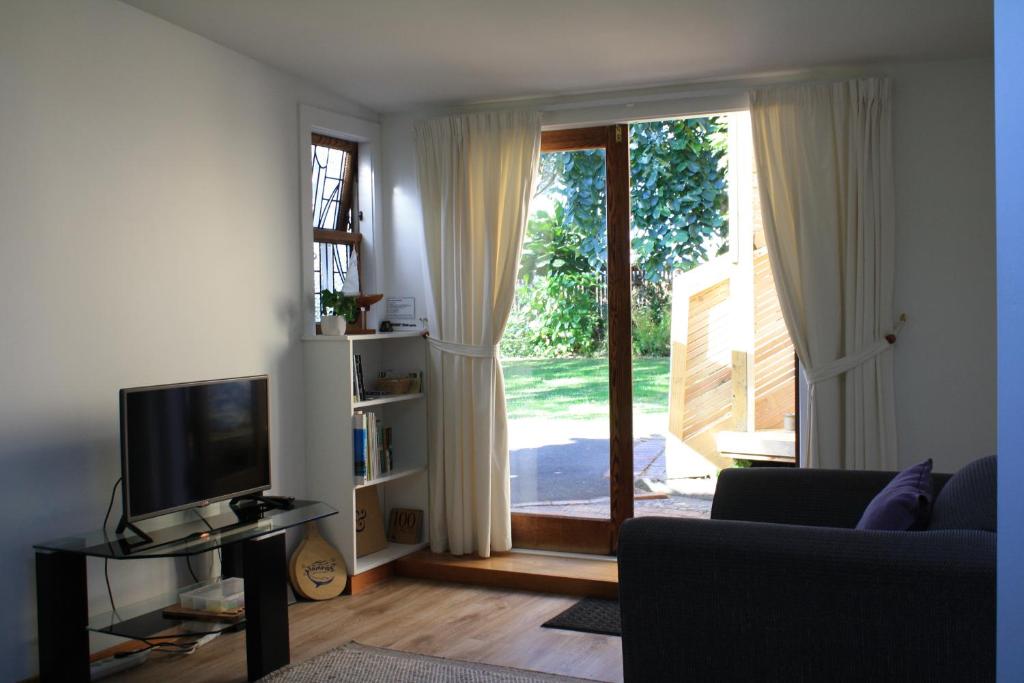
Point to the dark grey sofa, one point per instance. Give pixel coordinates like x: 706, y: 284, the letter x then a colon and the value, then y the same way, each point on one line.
x: 778, y: 586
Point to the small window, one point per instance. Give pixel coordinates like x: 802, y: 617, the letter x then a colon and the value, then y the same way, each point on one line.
x: 336, y: 237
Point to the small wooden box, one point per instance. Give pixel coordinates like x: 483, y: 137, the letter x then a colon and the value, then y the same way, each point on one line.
x: 405, y: 525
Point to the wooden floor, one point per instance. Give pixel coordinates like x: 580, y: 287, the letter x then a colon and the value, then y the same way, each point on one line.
x: 472, y: 623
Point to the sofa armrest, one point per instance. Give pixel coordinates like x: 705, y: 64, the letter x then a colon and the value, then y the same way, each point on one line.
x: 726, y: 600
x: 834, y: 498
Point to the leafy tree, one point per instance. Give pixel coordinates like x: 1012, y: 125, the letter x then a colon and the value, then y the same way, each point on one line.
x: 678, y: 194
x: 679, y: 206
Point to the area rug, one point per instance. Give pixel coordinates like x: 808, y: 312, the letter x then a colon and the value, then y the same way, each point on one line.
x: 591, y: 615
x: 355, y: 663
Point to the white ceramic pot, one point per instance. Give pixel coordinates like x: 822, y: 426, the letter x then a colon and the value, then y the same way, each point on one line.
x: 333, y: 325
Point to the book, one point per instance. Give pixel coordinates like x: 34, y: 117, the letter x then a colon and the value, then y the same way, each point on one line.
x: 357, y: 377
x: 371, y: 447
x: 359, y: 446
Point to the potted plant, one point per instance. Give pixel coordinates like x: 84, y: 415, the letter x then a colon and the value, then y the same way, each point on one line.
x: 336, y: 311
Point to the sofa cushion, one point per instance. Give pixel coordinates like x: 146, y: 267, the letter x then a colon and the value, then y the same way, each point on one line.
x: 904, y: 503
x: 968, y: 500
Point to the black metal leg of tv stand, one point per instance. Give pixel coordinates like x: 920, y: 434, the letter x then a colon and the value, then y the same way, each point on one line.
x: 62, y: 604
x: 265, y: 570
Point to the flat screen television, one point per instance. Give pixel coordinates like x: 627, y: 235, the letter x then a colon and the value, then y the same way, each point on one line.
x: 189, y: 445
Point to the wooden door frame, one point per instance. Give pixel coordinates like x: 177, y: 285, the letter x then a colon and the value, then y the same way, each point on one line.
x: 577, y: 534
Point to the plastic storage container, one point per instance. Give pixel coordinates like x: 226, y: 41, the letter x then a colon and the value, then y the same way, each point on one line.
x: 217, y: 596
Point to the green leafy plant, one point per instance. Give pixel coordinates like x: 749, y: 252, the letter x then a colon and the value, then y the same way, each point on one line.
x: 336, y: 303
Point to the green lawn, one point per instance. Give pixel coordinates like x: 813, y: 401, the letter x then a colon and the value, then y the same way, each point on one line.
x: 577, y: 388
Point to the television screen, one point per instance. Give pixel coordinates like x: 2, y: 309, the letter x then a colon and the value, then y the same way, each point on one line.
x: 184, y: 445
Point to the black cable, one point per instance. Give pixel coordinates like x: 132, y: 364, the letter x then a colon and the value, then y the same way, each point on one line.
x: 220, y: 551
x: 204, y: 520
x: 169, y: 648
x: 188, y: 561
x: 110, y: 505
x: 106, y: 573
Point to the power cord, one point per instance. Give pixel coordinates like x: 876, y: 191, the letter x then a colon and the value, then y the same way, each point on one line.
x: 167, y: 647
x: 106, y: 573
x: 186, y: 648
x: 220, y: 551
x: 106, y: 561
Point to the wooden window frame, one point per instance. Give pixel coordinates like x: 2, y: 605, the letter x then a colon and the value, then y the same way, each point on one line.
x: 351, y: 238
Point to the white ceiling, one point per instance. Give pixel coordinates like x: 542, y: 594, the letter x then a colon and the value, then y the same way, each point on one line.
x: 392, y: 55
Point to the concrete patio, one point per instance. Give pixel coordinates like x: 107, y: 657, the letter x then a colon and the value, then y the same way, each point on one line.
x: 560, y: 467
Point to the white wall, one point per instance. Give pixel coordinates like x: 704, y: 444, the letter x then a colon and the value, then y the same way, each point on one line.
x: 148, y: 234
x: 1009, y: 114
x: 945, y: 259
x: 402, y: 253
x: 943, y: 151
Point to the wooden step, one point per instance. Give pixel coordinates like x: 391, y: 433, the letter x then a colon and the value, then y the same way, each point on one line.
x: 523, y: 571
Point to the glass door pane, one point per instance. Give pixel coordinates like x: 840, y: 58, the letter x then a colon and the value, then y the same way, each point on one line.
x: 555, y: 346
x: 679, y: 234
x: 712, y: 362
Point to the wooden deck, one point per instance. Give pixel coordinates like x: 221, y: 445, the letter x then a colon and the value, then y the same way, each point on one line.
x: 772, y: 445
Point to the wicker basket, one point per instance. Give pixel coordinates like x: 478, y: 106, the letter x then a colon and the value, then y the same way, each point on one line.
x: 398, y: 385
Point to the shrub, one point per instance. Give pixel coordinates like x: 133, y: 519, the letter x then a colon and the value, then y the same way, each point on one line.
x: 651, y: 332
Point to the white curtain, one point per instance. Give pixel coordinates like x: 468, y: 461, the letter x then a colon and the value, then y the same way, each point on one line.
x: 824, y: 165
x: 476, y: 174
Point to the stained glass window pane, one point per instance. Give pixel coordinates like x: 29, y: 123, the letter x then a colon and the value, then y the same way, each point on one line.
x: 331, y: 170
x: 333, y: 180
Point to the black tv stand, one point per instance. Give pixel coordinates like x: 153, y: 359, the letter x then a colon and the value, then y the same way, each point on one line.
x: 256, y: 553
x: 125, y: 524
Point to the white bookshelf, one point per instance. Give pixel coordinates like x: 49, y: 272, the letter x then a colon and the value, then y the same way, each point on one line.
x: 328, y: 368
x: 393, y: 552
x: 394, y: 476
x: 384, y: 400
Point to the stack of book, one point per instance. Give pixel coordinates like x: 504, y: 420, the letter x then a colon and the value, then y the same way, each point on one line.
x: 371, y: 447
x: 358, y: 389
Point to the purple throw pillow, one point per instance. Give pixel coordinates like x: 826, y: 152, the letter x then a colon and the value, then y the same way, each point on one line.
x: 904, y: 504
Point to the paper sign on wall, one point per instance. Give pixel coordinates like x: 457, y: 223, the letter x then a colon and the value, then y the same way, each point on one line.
x: 400, y: 308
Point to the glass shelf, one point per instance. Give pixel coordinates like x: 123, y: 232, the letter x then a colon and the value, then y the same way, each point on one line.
x: 145, y: 619
x: 190, y: 538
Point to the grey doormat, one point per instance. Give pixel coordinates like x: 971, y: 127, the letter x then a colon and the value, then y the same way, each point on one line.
x: 355, y: 663
x: 591, y: 615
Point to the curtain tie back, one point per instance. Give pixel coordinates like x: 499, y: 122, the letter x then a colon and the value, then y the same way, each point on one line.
x: 847, y: 363
x: 468, y: 350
